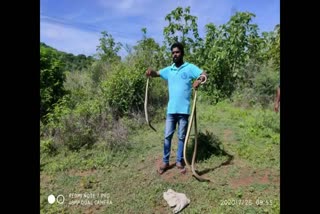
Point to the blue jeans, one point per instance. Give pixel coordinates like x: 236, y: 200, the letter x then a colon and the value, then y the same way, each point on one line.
x: 171, y: 121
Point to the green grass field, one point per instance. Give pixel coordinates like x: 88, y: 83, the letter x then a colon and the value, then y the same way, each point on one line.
x: 239, y: 151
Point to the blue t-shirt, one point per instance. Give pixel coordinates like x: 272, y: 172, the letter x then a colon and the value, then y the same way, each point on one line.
x: 179, y: 84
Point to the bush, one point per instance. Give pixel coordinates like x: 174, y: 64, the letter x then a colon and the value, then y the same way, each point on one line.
x: 89, y: 123
x: 48, y: 147
x: 265, y: 84
x: 124, y: 91
x: 52, y: 77
x: 259, y: 89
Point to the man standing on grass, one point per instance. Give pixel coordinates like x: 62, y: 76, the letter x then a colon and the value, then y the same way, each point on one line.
x: 179, y: 76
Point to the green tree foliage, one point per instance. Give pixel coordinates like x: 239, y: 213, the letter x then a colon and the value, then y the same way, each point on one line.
x: 271, y: 46
x: 228, y: 48
x: 261, y: 71
x: 124, y: 87
x: 52, y: 77
x: 70, y: 61
x: 107, y: 52
x: 108, y: 48
x: 124, y: 90
x: 182, y: 27
x: 148, y: 53
x: 79, y: 62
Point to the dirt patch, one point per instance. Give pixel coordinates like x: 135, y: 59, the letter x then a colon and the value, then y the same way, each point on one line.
x: 227, y: 134
x: 160, y: 209
x: 82, y: 173
x: 45, y: 179
x: 93, y: 209
x: 248, y: 177
x: 239, y: 174
x: 85, y: 209
x: 173, y: 174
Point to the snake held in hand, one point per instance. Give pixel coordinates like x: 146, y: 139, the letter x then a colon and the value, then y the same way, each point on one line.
x: 146, y: 105
x: 193, y: 119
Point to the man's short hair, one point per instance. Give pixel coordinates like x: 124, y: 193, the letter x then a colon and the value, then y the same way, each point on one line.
x: 178, y: 45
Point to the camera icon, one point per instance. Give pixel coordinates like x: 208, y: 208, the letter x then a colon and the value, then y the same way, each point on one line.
x: 59, y: 199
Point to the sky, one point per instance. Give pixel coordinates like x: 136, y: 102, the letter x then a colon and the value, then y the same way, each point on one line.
x: 75, y: 26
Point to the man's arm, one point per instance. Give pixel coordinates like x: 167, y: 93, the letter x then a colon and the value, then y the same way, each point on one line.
x: 202, y: 78
x: 152, y: 73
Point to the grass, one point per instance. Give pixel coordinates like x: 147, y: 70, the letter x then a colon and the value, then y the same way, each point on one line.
x: 238, y: 151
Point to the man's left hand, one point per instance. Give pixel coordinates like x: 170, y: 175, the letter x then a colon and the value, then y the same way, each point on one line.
x: 196, y: 84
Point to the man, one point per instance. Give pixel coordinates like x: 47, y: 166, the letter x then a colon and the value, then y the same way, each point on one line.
x: 179, y: 76
x: 277, y: 100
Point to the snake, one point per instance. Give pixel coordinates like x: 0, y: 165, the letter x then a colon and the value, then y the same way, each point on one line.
x: 193, y: 119
x: 146, y: 105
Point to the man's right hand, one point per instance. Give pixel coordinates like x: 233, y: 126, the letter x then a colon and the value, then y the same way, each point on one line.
x: 148, y: 72
x: 151, y: 73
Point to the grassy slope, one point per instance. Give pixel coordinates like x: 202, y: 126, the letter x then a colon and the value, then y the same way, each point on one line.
x: 245, y: 170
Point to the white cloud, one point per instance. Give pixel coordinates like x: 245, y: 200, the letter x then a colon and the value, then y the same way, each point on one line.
x: 74, y: 40
x: 75, y: 15
x: 125, y: 7
x: 79, y: 29
x: 69, y: 39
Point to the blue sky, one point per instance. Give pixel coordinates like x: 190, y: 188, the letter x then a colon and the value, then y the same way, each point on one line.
x: 75, y: 26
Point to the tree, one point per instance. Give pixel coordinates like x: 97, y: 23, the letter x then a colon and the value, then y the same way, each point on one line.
x: 182, y: 27
x: 108, y: 48
x: 148, y: 53
x: 228, y: 48
x: 273, y: 46
x: 52, y: 77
